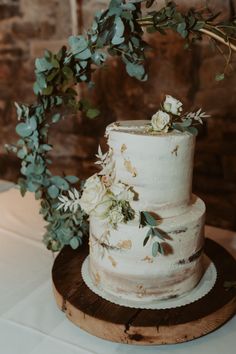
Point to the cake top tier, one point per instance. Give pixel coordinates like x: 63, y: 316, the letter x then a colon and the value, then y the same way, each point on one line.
x: 139, y: 127
x: 158, y: 165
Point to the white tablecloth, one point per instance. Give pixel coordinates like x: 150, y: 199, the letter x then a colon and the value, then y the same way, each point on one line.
x: 31, y: 323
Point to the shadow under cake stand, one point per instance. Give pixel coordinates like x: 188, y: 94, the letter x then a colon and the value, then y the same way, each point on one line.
x: 141, y: 326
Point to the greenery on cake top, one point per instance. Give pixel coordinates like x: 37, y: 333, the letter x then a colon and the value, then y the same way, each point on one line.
x: 170, y: 117
x: 117, y: 31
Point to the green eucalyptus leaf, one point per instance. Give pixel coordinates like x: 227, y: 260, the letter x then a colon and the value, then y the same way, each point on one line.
x: 186, y: 123
x: 47, y: 91
x: 99, y: 57
x: 149, y: 234
x: 37, y: 168
x: 92, y: 113
x: 53, y: 191
x: 41, y: 81
x: 32, y: 187
x: 83, y: 78
x: 86, y: 54
x: 129, y: 6
x: 199, y: 25
x: 42, y: 65
x: 161, y: 249
x: 155, y: 249
x: 26, y: 129
x: 192, y: 130
x: 119, y: 31
x: 83, y: 64
x: 150, y: 220
x: 60, y: 182
x: 56, y: 117
x: 68, y: 72
x: 55, y: 63
x: 220, y: 77
x: 23, y: 186
x: 117, y: 40
x: 46, y: 147
x: 160, y: 234
x: 72, y: 179
x: 178, y: 126
x: 115, y: 11
x: 135, y: 70
x: 181, y: 29
x: 47, y: 54
x: 58, y: 100
x: 22, y: 153
x: 38, y: 195
x: 127, y: 16
x: 52, y: 75
x: 135, y: 41
x: 74, y: 243
x: 78, y: 44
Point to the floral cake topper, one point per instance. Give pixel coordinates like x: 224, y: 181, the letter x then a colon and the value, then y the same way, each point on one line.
x: 170, y: 117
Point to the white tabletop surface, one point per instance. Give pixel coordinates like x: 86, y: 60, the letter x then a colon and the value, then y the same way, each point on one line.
x: 31, y: 323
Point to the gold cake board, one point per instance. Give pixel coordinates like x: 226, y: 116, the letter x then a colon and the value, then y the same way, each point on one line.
x: 140, y: 326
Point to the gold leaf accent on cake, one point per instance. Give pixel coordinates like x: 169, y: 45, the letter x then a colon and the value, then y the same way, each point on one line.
x: 123, y: 148
x: 148, y: 259
x: 175, y: 151
x: 130, y: 168
x: 102, y: 242
x: 97, y: 278
x: 126, y: 244
x: 113, y: 262
x: 141, y: 291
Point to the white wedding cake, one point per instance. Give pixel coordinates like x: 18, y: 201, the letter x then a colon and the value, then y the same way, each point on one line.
x: 146, y: 226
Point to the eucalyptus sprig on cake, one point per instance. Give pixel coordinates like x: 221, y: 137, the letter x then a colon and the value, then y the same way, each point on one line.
x: 154, y: 233
x: 116, y: 31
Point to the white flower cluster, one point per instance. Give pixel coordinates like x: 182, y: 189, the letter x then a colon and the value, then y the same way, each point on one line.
x: 105, y: 202
x: 161, y: 120
x: 102, y: 196
x: 170, y: 116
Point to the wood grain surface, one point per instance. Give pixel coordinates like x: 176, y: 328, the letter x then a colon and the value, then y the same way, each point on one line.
x: 139, y: 326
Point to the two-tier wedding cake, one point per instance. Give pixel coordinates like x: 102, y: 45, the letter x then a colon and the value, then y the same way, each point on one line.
x: 146, y: 226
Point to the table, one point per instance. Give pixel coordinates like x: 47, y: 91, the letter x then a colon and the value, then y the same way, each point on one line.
x: 30, y: 322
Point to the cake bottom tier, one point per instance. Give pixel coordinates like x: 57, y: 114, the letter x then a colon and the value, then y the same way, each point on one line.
x: 122, y: 265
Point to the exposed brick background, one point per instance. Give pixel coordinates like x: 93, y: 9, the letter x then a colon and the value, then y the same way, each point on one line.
x: 27, y: 27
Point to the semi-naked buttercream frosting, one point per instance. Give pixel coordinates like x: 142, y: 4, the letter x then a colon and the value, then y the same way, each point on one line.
x: 158, y: 167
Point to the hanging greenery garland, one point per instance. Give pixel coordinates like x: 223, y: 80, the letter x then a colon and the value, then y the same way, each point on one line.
x: 117, y: 31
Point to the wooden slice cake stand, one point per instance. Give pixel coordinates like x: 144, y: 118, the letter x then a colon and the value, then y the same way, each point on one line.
x: 139, y: 326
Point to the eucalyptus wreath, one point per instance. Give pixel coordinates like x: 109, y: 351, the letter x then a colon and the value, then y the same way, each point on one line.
x: 117, y: 31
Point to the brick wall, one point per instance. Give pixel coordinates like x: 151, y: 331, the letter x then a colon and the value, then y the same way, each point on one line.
x: 27, y: 27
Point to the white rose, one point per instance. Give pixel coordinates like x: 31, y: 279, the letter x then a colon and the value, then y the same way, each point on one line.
x: 160, y: 121
x: 116, y: 216
x: 102, y: 208
x: 172, y: 105
x: 93, y: 193
x: 122, y: 192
